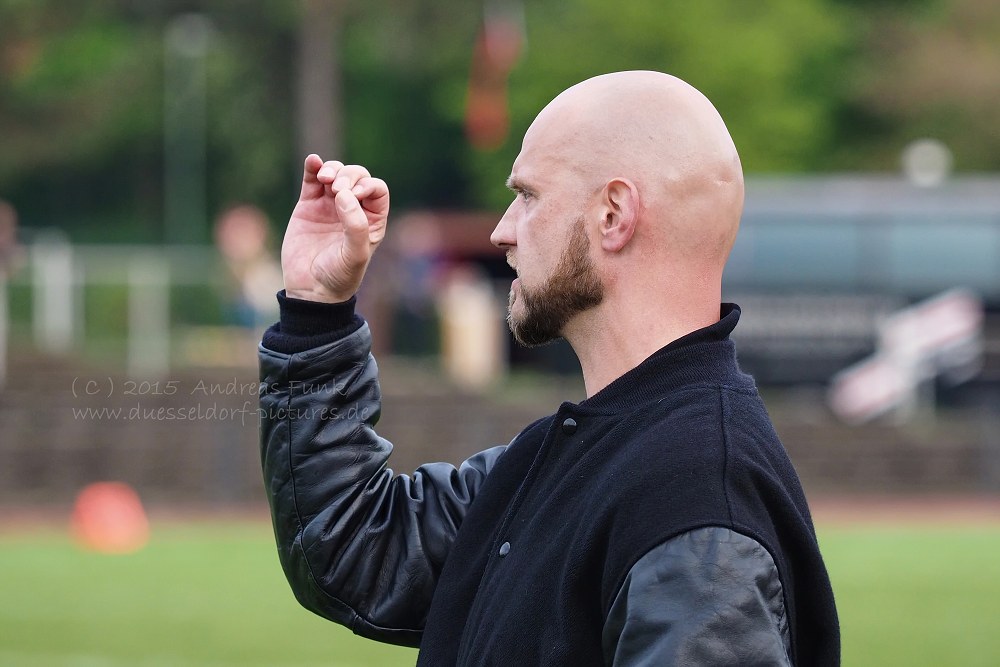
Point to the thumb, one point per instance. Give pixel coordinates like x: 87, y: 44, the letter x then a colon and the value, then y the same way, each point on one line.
x: 355, y: 223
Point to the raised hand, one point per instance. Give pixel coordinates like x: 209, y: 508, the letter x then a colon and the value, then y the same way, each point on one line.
x: 337, y: 224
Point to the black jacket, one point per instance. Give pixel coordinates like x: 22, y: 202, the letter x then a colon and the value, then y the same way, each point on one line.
x: 657, y: 522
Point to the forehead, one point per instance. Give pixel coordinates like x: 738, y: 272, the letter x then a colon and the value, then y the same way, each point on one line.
x: 560, y: 141
x: 545, y: 156
x: 528, y: 171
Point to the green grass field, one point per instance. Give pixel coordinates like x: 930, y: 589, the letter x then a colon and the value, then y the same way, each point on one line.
x: 212, y: 594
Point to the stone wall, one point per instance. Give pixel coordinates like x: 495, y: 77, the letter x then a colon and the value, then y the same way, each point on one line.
x: 192, y: 439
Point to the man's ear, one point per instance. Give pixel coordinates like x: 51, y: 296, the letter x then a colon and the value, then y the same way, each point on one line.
x: 620, y: 213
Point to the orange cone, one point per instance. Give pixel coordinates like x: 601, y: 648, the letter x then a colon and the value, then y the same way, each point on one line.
x: 108, y: 518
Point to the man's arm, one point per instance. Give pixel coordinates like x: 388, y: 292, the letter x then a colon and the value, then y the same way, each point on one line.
x: 359, y: 545
x: 710, y: 596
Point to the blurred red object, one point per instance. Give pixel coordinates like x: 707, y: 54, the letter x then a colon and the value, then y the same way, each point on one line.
x: 498, y: 48
x: 108, y: 517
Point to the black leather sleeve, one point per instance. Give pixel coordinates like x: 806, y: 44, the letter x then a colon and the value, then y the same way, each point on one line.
x: 710, y: 596
x: 358, y: 544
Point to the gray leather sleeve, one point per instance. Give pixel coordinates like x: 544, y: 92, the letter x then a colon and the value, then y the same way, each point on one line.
x: 710, y: 596
x: 358, y: 544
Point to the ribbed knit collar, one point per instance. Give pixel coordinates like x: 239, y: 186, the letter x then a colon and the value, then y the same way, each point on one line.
x: 705, y: 356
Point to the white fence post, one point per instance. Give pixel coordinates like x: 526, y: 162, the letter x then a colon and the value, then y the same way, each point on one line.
x: 52, y: 293
x: 148, y: 316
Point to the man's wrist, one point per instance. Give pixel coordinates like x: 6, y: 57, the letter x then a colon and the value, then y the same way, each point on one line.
x: 316, y: 296
x: 308, y: 317
x: 306, y: 324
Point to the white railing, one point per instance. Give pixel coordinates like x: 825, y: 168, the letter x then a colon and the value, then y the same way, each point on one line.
x: 57, y: 273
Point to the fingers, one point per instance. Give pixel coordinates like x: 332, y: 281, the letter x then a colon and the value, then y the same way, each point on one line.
x: 373, y: 193
x: 348, y: 176
x: 333, y: 177
x: 370, y: 187
x: 310, y: 184
x: 339, y: 176
x: 357, y: 249
x: 312, y: 165
x: 334, y: 172
x: 328, y: 172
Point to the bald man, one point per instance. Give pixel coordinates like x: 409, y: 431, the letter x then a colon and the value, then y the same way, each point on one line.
x: 657, y: 522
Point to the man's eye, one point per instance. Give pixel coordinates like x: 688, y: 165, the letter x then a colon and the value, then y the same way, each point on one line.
x: 525, y: 195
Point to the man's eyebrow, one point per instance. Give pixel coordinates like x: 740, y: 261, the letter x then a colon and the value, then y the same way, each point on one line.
x: 515, y: 185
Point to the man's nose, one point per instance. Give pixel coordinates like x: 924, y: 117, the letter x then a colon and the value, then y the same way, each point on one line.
x: 503, y: 234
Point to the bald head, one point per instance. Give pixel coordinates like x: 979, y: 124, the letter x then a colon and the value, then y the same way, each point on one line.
x: 664, y: 136
x: 628, y: 195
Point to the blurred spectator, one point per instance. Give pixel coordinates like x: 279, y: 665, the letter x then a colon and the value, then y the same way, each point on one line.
x: 419, y: 247
x: 253, y: 274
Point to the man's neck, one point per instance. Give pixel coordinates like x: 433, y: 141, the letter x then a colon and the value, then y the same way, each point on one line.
x: 610, y: 342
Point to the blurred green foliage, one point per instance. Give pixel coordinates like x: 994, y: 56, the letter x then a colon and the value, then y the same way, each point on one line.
x: 805, y: 85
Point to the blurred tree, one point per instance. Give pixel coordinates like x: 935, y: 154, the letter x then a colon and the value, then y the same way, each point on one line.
x: 771, y: 67
x: 81, y: 110
x: 406, y: 67
x: 320, y: 94
x: 75, y: 95
x: 925, y: 68
x: 803, y: 84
